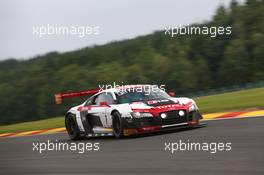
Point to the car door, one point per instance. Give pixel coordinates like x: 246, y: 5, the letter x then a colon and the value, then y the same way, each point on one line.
x: 97, y: 109
x: 111, y: 102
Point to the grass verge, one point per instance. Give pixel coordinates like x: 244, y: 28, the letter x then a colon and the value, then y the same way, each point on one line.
x: 238, y: 100
x: 35, y: 125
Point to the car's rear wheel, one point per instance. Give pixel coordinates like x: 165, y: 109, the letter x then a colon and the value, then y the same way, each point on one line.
x: 71, y: 127
x: 117, y: 125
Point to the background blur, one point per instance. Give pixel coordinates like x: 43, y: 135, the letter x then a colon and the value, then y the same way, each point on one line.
x: 185, y: 64
x: 117, y: 19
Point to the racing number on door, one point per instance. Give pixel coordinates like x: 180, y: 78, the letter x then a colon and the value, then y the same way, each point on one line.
x: 104, y: 102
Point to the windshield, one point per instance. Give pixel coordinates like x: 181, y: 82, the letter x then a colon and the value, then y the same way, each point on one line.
x: 129, y: 96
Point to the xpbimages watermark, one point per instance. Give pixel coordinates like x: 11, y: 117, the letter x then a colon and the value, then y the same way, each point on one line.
x: 212, y: 147
x: 78, y: 31
x: 212, y: 31
x: 147, y: 89
x: 79, y: 147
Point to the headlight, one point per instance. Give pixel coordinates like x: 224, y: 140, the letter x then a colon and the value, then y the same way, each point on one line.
x: 163, y: 115
x: 181, y: 113
x: 141, y: 114
x: 192, y: 108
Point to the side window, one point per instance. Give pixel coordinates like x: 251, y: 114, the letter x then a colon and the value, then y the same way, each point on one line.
x: 109, y: 98
x: 89, y: 102
x: 104, y: 97
x: 98, y: 99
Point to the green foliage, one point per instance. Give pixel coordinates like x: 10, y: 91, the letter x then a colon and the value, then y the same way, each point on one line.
x: 184, y: 64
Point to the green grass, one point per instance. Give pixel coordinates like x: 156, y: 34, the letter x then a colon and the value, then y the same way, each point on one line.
x: 243, y: 99
x: 251, y: 98
x: 35, y: 125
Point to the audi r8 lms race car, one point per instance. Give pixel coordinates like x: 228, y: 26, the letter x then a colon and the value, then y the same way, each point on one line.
x: 126, y: 111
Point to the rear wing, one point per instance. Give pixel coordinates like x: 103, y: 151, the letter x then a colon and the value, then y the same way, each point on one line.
x: 60, y: 96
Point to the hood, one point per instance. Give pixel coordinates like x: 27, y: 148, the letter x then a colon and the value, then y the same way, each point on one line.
x: 152, y: 103
x: 162, y: 103
x: 139, y: 105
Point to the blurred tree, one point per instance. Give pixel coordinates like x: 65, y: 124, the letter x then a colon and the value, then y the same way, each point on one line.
x: 235, y: 65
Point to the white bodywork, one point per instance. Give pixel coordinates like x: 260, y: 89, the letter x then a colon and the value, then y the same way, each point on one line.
x: 104, y: 112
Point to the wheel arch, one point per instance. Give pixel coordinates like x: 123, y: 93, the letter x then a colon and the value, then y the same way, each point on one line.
x: 75, y: 135
x: 113, y: 111
x: 74, y: 116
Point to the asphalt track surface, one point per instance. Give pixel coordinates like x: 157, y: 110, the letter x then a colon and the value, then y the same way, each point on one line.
x: 144, y: 154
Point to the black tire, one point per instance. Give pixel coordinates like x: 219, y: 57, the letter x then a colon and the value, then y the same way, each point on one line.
x: 72, y: 128
x: 117, y: 125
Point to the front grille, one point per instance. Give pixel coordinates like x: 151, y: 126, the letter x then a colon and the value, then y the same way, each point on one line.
x: 173, y: 117
x: 147, y: 121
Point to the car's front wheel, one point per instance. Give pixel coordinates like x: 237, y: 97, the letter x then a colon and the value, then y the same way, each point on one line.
x: 117, y: 125
x: 71, y: 127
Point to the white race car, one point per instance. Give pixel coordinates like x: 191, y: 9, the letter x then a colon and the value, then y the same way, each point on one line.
x: 126, y: 111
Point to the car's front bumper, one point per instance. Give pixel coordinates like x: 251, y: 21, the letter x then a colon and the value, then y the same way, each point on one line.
x: 150, y: 124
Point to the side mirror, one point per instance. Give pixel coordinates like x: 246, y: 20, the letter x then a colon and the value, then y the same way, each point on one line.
x: 104, y: 103
x: 172, y: 94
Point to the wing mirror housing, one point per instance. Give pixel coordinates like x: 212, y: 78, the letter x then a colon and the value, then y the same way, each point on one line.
x: 104, y: 103
x: 172, y: 94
